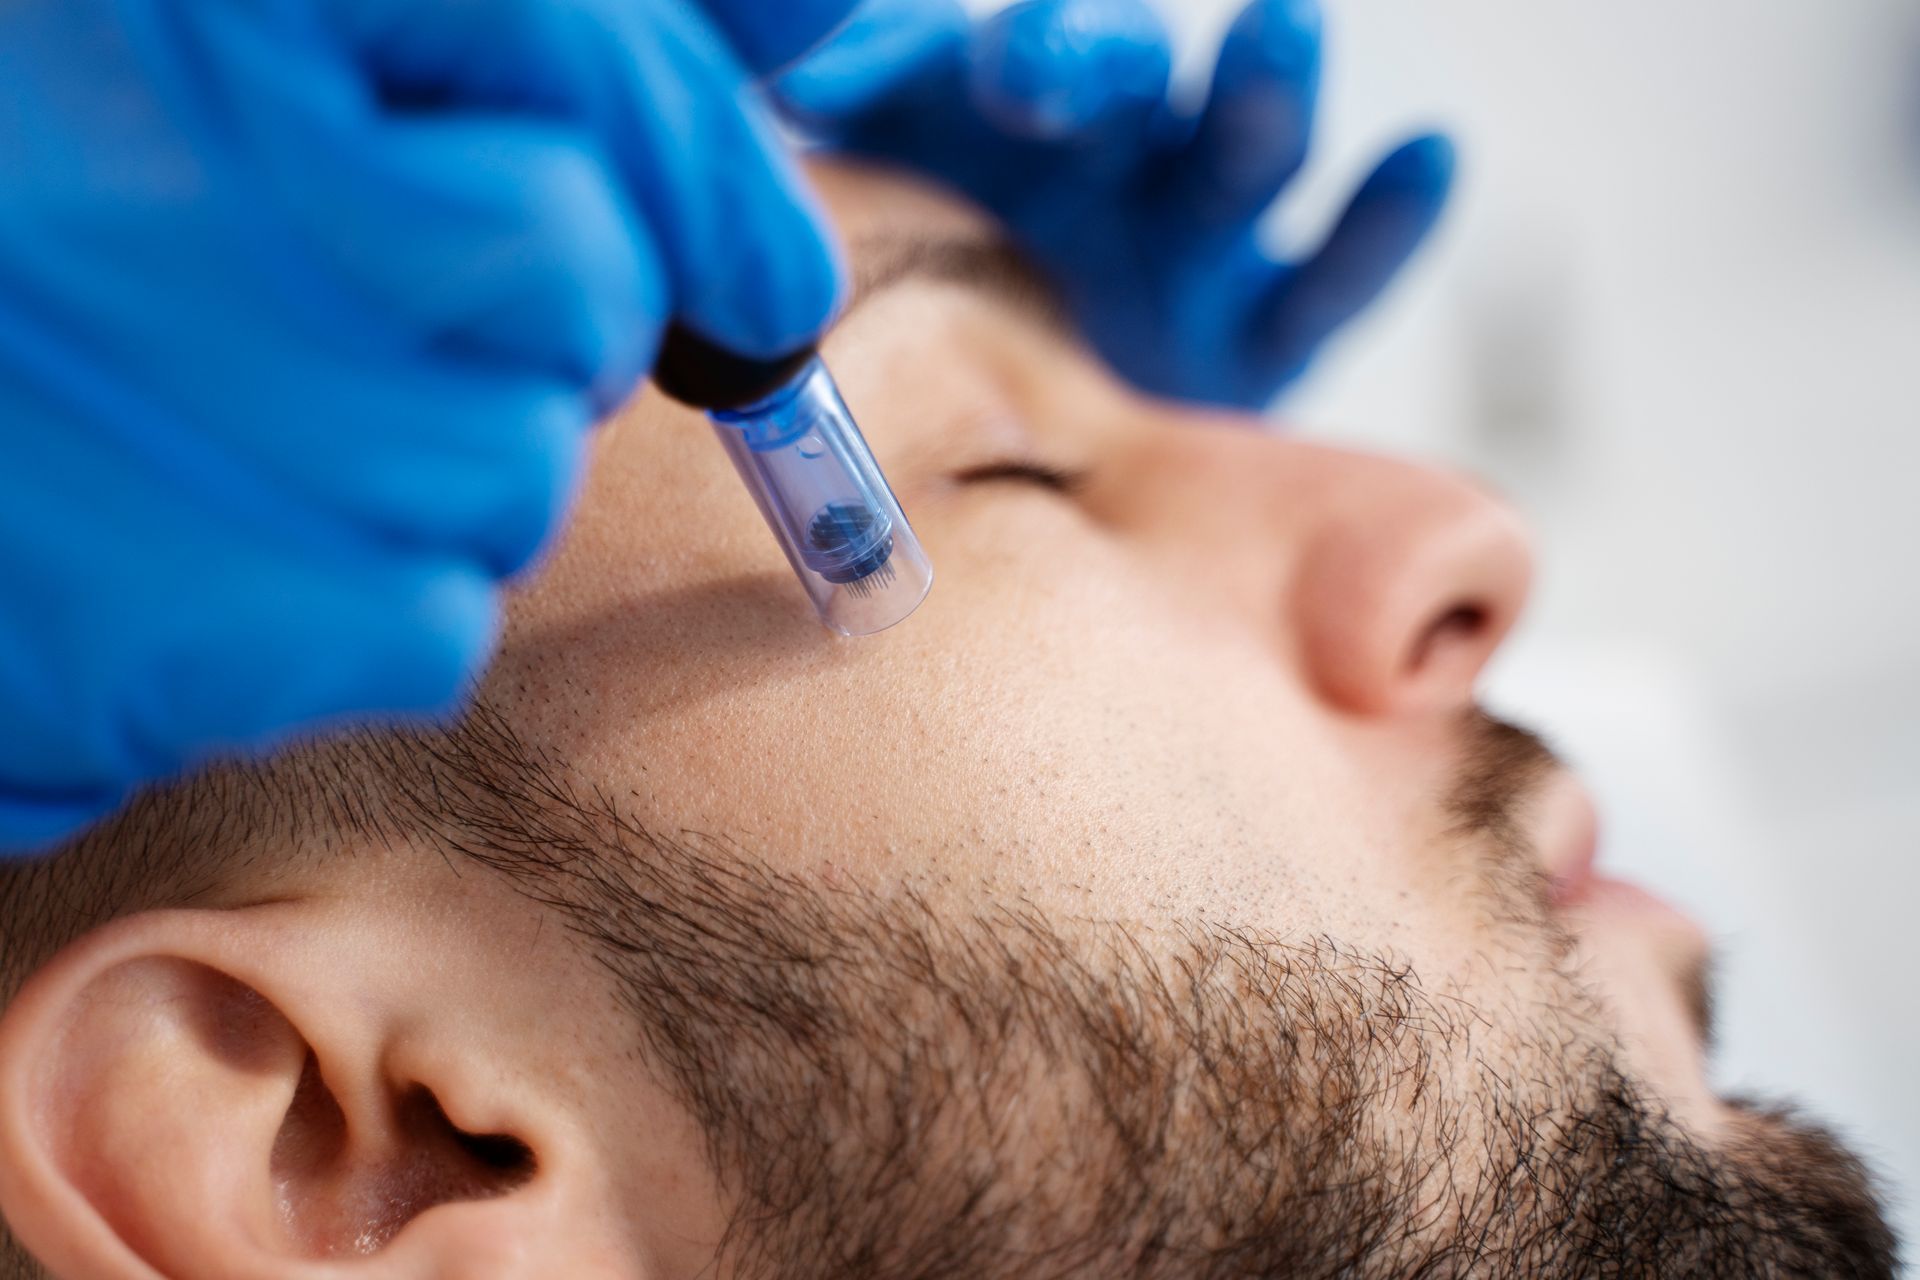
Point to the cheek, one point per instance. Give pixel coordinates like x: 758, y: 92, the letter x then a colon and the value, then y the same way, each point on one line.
x: 1047, y: 724
x: 1111, y: 740
x: 1032, y: 728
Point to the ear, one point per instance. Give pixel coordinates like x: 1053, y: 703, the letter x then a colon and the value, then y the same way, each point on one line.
x: 246, y: 1094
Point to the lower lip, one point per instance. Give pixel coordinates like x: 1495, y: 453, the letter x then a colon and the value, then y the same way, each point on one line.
x: 1623, y: 893
x: 1623, y: 897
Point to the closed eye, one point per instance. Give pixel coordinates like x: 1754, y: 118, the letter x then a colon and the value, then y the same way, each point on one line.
x: 1055, y: 478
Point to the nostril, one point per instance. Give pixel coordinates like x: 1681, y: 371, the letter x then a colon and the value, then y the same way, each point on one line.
x: 1464, y: 624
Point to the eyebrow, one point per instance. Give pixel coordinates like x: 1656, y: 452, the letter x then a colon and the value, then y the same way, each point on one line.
x: 988, y: 264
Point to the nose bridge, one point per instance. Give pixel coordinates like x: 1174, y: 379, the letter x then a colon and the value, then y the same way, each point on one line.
x: 1211, y: 496
x: 1389, y: 584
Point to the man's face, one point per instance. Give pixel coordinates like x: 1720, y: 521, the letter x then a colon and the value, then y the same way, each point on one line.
x: 1185, y: 688
x: 1152, y: 903
x: 1173, y: 666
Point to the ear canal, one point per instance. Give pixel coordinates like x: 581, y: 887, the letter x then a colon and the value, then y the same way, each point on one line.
x: 338, y: 1196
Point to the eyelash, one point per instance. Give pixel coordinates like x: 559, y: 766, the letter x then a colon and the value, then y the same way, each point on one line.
x: 1057, y: 479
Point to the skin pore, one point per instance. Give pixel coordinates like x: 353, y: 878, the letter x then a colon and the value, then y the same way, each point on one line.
x: 1154, y: 902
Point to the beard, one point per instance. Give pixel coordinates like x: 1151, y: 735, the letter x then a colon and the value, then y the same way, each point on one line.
x: 899, y: 1086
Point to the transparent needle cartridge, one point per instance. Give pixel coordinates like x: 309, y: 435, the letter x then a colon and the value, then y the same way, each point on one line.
x: 795, y: 445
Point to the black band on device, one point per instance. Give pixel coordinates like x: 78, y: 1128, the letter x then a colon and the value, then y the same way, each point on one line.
x: 696, y: 372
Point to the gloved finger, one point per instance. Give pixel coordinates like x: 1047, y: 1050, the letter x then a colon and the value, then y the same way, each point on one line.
x: 886, y: 47
x: 288, y: 644
x: 240, y: 622
x: 1251, y: 137
x: 1059, y: 69
x: 770, y: 36
x: 661, y: 95
x: 482, y: 286
x: 755, y: 266
x: 498, y: 240
x: 1383, y: 224
x: 261, y: 652
x: 516, y: 244
x: 502, y: 458
x: 321, y: 406
x: 435, y: 452
x: 34, y: 823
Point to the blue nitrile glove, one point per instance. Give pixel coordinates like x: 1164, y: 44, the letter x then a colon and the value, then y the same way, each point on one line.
x: 305, y: 307
x: 1054, y: 115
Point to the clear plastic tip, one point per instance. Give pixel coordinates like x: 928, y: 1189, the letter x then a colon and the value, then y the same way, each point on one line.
x: 826, y: 501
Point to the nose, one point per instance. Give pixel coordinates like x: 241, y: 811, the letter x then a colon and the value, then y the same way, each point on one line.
x: 1407, y: 580
x: 1395, y: 582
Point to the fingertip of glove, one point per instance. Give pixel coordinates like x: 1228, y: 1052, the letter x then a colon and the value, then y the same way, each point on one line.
x: 434, y: 637
x: 885, y: 44
x: 34, y: 826
x: 408, y: 647
x: 1426, y: 163
x: 1046, y: 68
x: 451, y: 630
x: 1280, y: 33
x: 771, y: 303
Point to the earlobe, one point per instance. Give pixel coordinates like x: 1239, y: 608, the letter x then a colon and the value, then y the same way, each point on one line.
x: 183, y: 1094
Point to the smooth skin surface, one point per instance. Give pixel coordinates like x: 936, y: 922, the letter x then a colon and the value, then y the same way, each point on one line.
x: 1175, y: 674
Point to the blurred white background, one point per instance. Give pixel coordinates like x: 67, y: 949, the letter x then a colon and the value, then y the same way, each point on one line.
x: 1675, y: 314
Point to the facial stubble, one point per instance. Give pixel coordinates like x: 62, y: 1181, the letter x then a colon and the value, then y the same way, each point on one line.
x: 914, y: 1086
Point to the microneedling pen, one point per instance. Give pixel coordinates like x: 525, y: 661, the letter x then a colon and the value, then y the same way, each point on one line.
x: 795, y: 445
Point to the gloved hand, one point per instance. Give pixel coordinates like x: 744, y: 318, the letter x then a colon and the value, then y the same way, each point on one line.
x: 305, y: 308
x: 1054, y: 115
